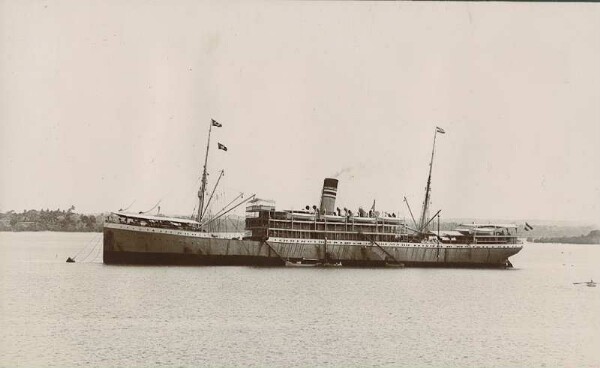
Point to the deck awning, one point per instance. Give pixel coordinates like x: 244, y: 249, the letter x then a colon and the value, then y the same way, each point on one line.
x: 490, y: 226
x: 449, y: 233
x: 157, y: 218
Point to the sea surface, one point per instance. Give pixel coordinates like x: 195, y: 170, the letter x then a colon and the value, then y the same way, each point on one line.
x: 58, y: 314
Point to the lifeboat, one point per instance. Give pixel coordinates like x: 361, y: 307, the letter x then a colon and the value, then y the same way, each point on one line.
x: 389, y: 220
x: 363, y: 219
x: 306, y: 216
x: 333, y: 218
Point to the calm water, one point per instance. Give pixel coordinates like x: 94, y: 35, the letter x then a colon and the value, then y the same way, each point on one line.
x: 88, y: 314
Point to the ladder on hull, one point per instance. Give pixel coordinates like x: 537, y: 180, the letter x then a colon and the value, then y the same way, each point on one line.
x: 384, y: 254
x: 274, y: 251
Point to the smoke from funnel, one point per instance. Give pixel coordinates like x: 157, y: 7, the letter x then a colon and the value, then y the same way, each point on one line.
x: 350, y: 171
x: 342, y: 171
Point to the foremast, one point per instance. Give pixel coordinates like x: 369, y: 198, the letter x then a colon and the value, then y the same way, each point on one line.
x: 424, y: 221
x: 202, y: 191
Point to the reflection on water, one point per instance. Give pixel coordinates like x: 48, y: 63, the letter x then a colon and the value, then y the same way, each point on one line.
x: 80, y: 314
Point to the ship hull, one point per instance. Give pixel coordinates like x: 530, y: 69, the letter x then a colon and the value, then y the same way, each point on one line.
x: 126, y: 244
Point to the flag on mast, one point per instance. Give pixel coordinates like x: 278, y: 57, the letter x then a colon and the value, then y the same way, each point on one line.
x: 216, y: 123
x: 222, y: 147
x: 440, y: 130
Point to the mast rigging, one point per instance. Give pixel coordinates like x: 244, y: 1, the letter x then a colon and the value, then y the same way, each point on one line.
x: 424, y: 214
x: 202, y: 191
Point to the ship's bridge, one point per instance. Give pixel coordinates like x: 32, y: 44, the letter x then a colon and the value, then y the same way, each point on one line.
x: 258, y: 205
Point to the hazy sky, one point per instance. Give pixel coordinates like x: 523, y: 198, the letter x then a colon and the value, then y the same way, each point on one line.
x: 107, y: 102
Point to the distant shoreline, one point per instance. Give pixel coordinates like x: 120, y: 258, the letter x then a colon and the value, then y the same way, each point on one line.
x: 51, y: 220
x: 592, y: 238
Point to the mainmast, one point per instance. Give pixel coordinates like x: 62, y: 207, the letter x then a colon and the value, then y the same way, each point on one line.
x: 423, y: 222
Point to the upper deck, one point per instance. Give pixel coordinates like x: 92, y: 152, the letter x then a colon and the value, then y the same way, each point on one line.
x: 306, y: 225
x: 264, y: 221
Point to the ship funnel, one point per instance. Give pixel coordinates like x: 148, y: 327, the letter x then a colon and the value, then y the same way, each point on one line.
x: 328, y: 196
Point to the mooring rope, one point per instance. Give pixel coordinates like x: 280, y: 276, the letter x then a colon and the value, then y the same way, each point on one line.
x: 83, y: 248
x: 98, y: 254
x: 94, y: 243
x: 91, y: 250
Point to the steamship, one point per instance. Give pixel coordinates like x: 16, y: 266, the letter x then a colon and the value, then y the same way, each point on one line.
x: 323, y: 235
